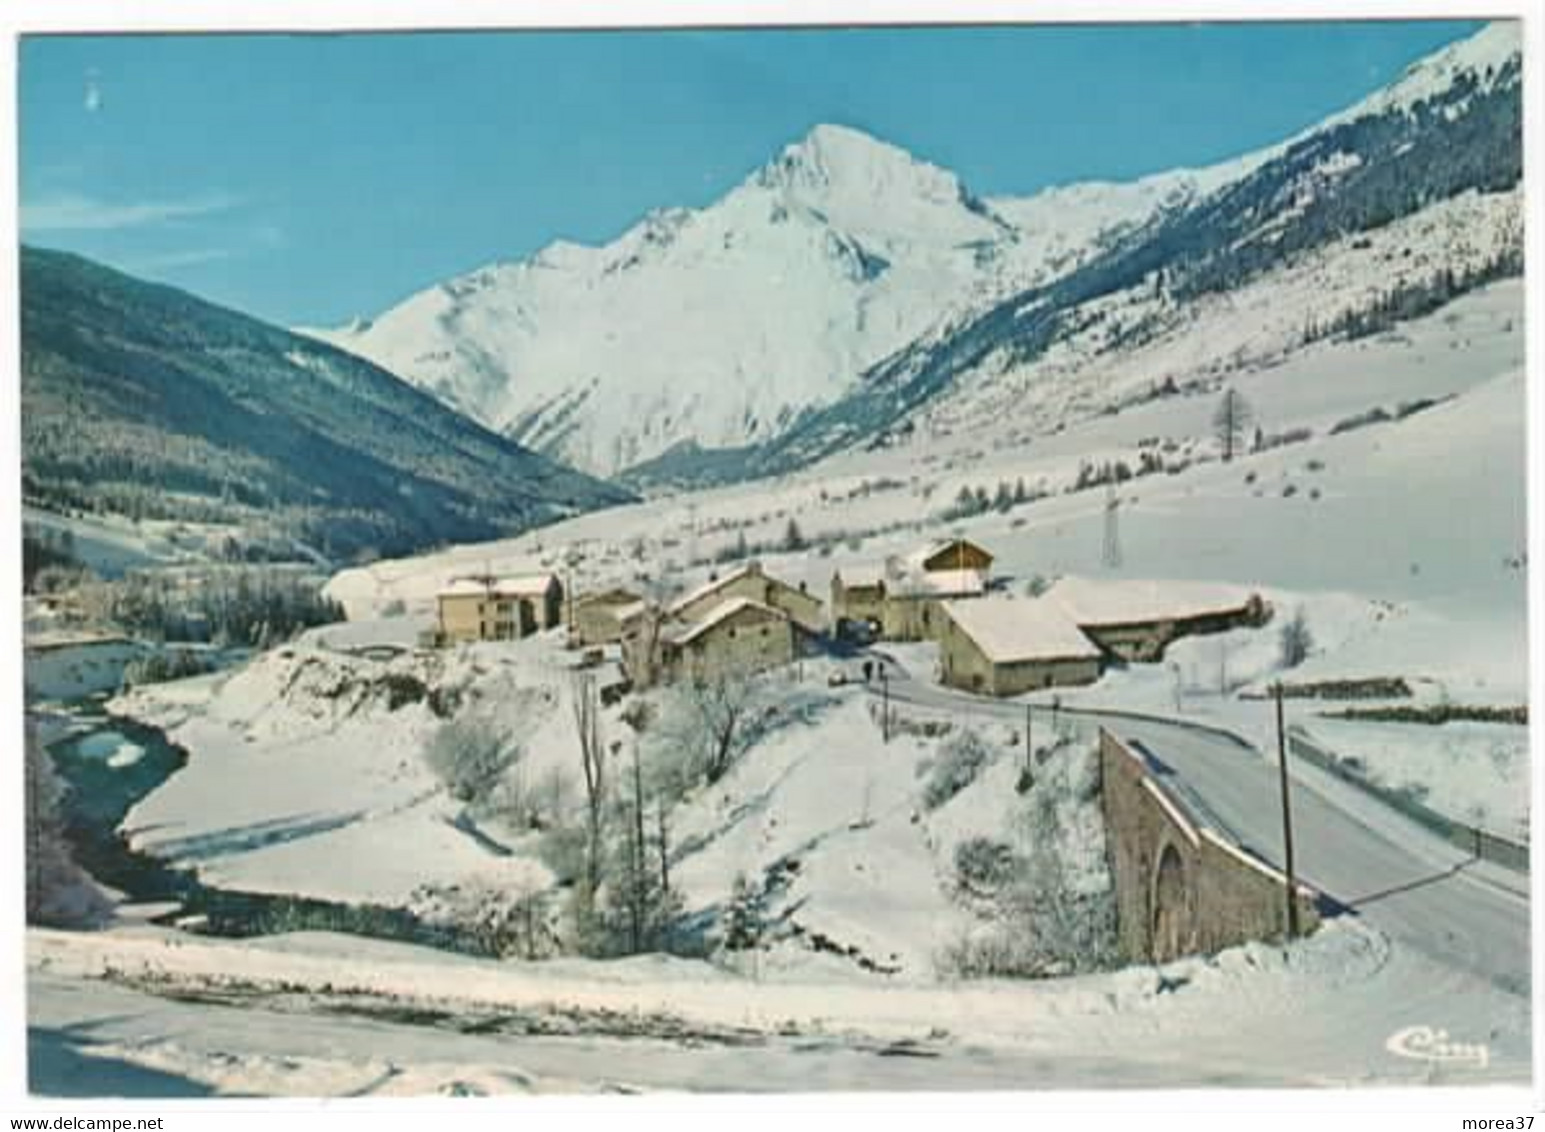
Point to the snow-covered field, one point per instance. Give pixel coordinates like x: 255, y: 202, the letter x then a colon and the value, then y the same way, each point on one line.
x: 333, y: 1015
x: 304, y: 778
x: 1475, y: 773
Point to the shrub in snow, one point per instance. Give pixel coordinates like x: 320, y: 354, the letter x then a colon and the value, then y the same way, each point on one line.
x: 1375, y: 415
x: 961, y: 759
x: 159, y: 667
x: 402, y: 689
x: 1051, y: 909
x: 1288, y: 436
x: 512, y: 803
x: 983, y: 864
x: 743, y: 924
x: 395, y: 608
x: 1295, y: 641
x: 502, y: 916
x: 707, y: 725
x: 562, y: 849
x: 1406, y: 408
x: 470, y: 754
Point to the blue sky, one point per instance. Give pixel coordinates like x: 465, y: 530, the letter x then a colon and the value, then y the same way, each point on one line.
x: 306, y: 179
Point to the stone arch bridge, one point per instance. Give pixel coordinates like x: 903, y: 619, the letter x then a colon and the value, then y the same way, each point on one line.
x: 1182, y: 888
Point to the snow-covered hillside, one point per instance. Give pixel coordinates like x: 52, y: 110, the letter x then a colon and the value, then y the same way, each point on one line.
x: 1138, y: 342
x: 307, y: 775
x: 1482, y: 60
x: 1393, y: 507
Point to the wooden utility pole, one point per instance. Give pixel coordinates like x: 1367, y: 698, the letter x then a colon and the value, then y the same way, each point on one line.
x: 665, y: 850
x: 1287, y: 820
x: 1029, y: 746
x: 885, y: 704
x: 640, y: 856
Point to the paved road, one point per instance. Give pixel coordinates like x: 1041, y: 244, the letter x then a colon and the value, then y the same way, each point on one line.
x: 1468, y: 916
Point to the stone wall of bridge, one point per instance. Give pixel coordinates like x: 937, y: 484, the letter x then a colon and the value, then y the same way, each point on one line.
x: 1181, y: 887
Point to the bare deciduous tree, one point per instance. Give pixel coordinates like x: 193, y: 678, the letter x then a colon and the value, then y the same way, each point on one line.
x: 586, y: 705
x: 1230, y: 421
x: 711, y: 722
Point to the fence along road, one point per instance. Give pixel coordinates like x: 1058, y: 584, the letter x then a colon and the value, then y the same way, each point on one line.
x: 1468, y: 915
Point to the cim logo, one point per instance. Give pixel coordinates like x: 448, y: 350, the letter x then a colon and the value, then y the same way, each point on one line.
x: 1426, y: 1043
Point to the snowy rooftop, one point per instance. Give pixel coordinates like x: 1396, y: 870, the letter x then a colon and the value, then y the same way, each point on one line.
x: 937, y: 546
x: 620, y: 598
x: 864, y: 574
x: 940, y: 583
x: 684, y: 632
x: 630, y: 611
x: 716, y: 584
x: 1012, y: 629
x: 1091, y: 601
x: 528, y: 585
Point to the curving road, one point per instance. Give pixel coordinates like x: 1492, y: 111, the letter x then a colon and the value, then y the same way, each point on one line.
x: 1467, y: 918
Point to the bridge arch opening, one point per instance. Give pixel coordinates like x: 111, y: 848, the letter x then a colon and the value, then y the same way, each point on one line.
x: 1170, y: 918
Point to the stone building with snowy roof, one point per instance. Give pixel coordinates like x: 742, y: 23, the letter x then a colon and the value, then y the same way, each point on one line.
x: 901, y: 599
x: 1135, y: 620
x: 1006, y: 646
x: 736, y: 637
x: 596, y: 618
x: 489, y: 608
x: 752, y: 582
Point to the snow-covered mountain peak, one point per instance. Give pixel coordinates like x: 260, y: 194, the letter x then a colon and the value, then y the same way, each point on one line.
x: 837, y: 160
x: 870, y: 190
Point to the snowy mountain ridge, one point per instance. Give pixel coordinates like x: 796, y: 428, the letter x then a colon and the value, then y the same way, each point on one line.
x: 719, y: 326
x: 771, y: 319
